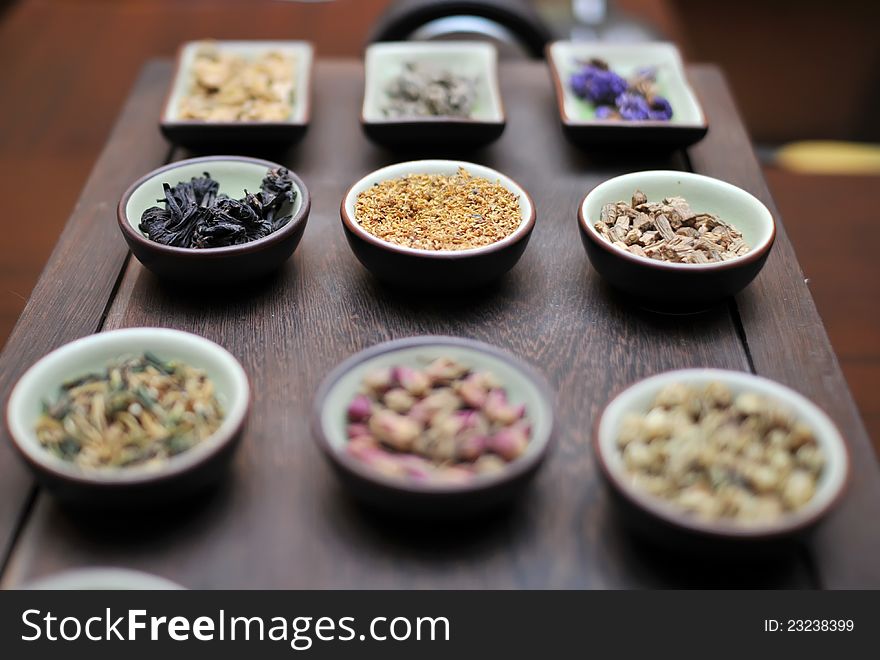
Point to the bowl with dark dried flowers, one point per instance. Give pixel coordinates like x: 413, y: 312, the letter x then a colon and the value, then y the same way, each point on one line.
x: 437, y: 224
x: 434, y: 425
x: 131, y: 417
x: 721, y: 457
x: 675, y: 241
x: 215, y: 219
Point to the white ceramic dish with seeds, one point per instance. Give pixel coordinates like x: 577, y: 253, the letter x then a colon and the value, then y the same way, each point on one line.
x: 436, y: 269
x: 661, y: 517
x: 473, y: 59
x: 675, y: 287
x: 185, y: 473
x: 421, y: 498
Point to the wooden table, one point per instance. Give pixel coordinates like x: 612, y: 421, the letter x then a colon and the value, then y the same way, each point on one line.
x: 281, y: 520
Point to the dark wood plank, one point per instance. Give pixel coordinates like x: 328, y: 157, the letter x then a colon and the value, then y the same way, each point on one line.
x: 69, y: 66
x: 282, y: 521
x: 788, y: 343
x: 72, y: 294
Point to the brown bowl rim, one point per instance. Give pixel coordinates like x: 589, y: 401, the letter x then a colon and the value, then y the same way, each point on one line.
x: 514, y: 471
x: 165, y: 122
x: 736, y: 262
x: 198, y: 254
x: 652, y: 507
x: 573, y: 122
x: 525, y: 227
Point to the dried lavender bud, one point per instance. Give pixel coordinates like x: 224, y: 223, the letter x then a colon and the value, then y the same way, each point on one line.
x: 597, y: 84
x: 616, y: 98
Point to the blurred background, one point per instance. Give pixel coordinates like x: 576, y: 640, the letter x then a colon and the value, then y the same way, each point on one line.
x: 805, y: 74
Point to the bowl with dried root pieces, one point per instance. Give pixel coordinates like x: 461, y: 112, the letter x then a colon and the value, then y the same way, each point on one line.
x: 726, y: 457
x: 434, y: 426
x: 437, y: 224
x: 131, y: 418
x: 675, y: 241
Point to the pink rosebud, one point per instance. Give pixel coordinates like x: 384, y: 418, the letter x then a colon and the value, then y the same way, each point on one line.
x: 509, y: 443
x: 362, y: 447
x: 360, y: 408
x: 379, y: 380
x: 357, y: 431
x: 497, y: 408
x: 473, y: 391
x: 444, y: 370
x: 472, y: 447
x: 394, y: 430
x: 413, y: 381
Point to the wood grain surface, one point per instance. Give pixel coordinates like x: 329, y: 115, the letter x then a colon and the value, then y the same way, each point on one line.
x: 281, y: 520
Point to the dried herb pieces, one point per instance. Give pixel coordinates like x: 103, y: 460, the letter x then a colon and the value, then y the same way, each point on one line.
x: 741, y: 458
x: 669, y: 231
x: 139, y: 411
x: 197, y: 215
x: 438, y: 211
x: 444, y: 423
x: 229, y: 87
x: 615, y: 97
x: 425, y: 91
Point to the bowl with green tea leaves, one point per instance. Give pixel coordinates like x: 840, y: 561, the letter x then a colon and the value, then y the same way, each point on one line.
x: 140, y: 416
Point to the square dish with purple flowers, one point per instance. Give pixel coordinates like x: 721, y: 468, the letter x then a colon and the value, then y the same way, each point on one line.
x: 624, y: 93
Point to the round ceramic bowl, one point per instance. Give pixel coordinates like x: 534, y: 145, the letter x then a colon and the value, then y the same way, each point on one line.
x: 102, y: 579
x: 665, y: 522
x: 410, y: 497
x: 181, y: 475
x: 436, y: 269
x: 234, y: 263
x: 670, y: 286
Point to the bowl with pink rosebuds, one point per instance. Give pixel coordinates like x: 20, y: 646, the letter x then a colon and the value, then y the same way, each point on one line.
x: 439, y: 426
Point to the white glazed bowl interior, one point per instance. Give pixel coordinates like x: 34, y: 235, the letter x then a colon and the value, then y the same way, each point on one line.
x: 102, y: 579
x: 446, y: 167
x: 474, y: 59
x: 300, y: 51
x: 704, y: 194
x: 639, y: 397
x: 42, y: 382
x: 521, y: 389
x: 234, y: 177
